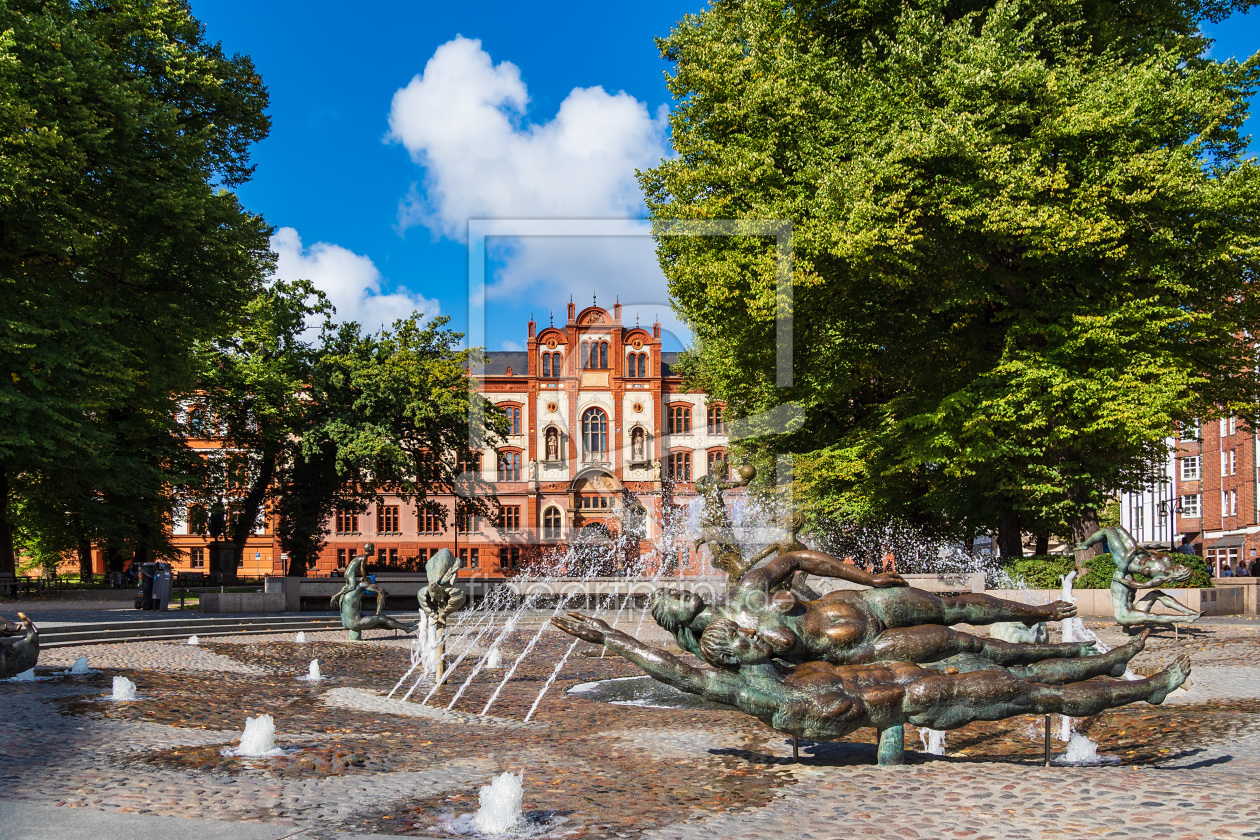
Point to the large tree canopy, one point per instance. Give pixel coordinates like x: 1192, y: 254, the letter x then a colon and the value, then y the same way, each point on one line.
x: 1024, y: 242
x: 119, y: 248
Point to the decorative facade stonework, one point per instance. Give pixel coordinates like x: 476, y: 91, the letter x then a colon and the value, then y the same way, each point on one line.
x: 596, y: 446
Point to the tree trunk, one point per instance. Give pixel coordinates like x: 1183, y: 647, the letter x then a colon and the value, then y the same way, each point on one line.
x: 113, y: 559
x: 242, y: 526
x: 85, y: 559
x: 8, y: 562
x: 1010, y: 540
x: 1043, y: 543
x: 1083, y: 527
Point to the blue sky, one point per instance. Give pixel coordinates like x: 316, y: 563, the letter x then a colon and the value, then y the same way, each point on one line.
x: 516, y: 110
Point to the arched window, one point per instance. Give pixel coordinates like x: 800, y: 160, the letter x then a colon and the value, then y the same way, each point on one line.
x: 679, y: 420
x: 603, y: 355
x: 513, y: 415
x: 636, y: 365
x: 717, y: 420
x: 680, y: 466
x: 586, y: 355
x: 551, y: 524
x: 509, y: 466
x: 595, y: 431
x: 546, y: 365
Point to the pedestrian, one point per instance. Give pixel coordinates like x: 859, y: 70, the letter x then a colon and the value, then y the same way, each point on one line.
x: 1226, y: 570
x: 1241, y: 571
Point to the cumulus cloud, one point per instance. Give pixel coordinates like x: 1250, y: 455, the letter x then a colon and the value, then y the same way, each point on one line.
x: 465, y: 122
x: 351, y: 281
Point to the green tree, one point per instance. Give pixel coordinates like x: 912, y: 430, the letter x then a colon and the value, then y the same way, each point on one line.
x: 120, y: 125
x: 255, y: 384
x: 1024, y: 237
x: 399, y: 413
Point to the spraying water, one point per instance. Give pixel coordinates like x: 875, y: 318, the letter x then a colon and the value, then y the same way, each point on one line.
x: 80, y: 666
x: 193, y: 640
x: 494, y: 659
x: 124, y: 690
x: 500, y: 808
x: 312, y: 673
x: 1081, y: 750
x: 301, y: 637
x: 933, y: 741
x: 25, y: 676
x: 258, y: 739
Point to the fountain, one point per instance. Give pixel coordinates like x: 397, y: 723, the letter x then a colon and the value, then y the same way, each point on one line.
x: 301, y: 637
x: 350, y: 600
x: 312, y: 673
x: 933, y: 741
x: 80, y: 666
x: 193, y: 640
x: 19, y: 647
x: 258, y: 740
x: 1157, y: 566
x: 494, y: 659
x: 124, y: 690
x: 25, y: 676
x: 500, y: 808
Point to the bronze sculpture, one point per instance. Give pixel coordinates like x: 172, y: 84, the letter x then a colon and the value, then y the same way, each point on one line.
x: 19, y: 647
x: 822, y: 701
x: 440, y: 598
x: 889, y: 622
x: 1131, y: 559
x: 716, y: 529
x: 793, y: 523
x: 350, y: 599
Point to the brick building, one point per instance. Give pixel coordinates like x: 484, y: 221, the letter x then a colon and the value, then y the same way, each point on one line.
x: 1207, y: 498
x: 603, y: 436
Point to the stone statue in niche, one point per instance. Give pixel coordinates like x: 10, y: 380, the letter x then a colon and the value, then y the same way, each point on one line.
x: 533, y: 469
x: 637, y: 445
x: 553, y: 445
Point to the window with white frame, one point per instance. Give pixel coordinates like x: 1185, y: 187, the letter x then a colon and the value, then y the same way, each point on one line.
x: 1233, y: 502
x: 1233, y: 424
x: 1224, y: 426
x: 1224, y: 463
x: 1191, y: 506
x: 1190, y: 468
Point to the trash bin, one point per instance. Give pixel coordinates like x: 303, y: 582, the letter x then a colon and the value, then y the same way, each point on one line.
x: 162, y: 580
x: 155, y: 586
x: 144, y: 595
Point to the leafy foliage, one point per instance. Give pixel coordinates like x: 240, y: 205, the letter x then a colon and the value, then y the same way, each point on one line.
x: 119, y: 249
x: 1023, y: 240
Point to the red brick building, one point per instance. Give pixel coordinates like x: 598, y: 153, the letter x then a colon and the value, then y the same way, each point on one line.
x: 1216, y: 478
x: 602, y: 436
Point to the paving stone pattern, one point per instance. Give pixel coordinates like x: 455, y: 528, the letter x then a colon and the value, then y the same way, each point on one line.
x: 1184, y: 770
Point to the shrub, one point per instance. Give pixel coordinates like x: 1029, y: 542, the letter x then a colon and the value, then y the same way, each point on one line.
x: 1046, y: 571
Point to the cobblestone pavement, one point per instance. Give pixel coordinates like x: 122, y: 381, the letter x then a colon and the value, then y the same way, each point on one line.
x: 593, y: 769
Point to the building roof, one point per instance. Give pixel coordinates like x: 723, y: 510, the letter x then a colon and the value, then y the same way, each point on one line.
x: 499, y: 361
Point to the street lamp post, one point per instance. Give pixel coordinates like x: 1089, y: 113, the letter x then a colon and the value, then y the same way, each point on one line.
x: 1166, y: 507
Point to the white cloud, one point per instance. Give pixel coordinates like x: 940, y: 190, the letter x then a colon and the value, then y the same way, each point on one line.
x: 508, y: 344
x: 464, y: 121
x: 351, y: 281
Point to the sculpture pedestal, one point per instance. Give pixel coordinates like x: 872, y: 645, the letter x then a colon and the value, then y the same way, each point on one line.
x: 892, y: 748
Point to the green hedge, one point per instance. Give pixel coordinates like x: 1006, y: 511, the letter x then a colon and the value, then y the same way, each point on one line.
x: 1045, y: 571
